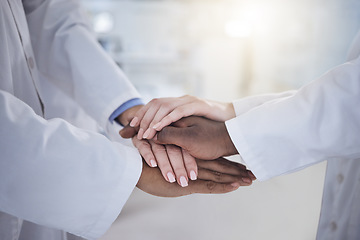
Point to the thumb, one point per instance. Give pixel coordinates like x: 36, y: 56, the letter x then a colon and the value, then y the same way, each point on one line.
x: 128, y: 132
x: 174, y: 135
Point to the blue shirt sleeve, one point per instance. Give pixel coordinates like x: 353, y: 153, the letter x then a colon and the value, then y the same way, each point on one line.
x: 125, y: 106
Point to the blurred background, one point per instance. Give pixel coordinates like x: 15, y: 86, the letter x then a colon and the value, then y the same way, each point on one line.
x: 224, y: 50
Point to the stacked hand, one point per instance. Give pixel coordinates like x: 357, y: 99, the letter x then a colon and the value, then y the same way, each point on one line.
x: 174, y: 148
x: 215, y: 176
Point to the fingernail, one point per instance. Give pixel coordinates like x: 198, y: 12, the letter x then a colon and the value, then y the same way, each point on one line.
x: 153, y: 163
x: 140, y: 133
x: 246, y: 180
x: 157, y: 125
x: 171, y: 177
x: 134, y: 122
x: 251, y: 175
x: 147, y: 133
x: 235, y: 185
x: 183, y: 181
x: 193, y: 175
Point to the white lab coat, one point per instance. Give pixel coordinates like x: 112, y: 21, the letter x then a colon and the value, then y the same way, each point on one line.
x: 51, y: 172
x: 281, y: 133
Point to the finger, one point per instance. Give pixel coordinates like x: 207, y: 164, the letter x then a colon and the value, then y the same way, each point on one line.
x: 175, y: 115
x: 177, y: 163
x: 206, y: 174
x: 148, y: 117
x: 166, y: 106
x: 163, y: 161
x: 145, y: 150
x: 169, y: 106
x: 174, y: 135
x: 163, y: 111
x: 128, y: 132
x: 150, y: 131
x: 135, y: 122
x: 223, y: 165
x: 251, y: 175
x: 210, y: 187
x: 190, y: 165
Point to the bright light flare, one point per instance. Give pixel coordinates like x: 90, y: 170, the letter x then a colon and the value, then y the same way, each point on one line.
x: 251, y: 20
x: 103, y: 22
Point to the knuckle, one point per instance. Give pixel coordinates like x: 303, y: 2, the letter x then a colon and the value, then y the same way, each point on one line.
x: 211, y: 185
x: 173, y: 149
x: 179, y: 170
x: 181, y: 110
x: 166, y: 105
x: 163, y: 134
x: 157, y: 147
x: 218, y: 176
x: 154, y: 101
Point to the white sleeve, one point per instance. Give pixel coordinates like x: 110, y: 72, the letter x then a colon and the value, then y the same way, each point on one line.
x: 57, y: 175
x: 243, y: 105
x: 321, y: 121
x: 67, y: 54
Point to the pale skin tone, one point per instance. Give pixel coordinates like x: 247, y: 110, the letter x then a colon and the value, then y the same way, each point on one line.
x: 160, y: 113
x: 170, y: 158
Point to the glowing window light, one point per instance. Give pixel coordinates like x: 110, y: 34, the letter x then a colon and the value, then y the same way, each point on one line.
x: 238, y: 29
x: 103, y: 22
x: 252, y: 19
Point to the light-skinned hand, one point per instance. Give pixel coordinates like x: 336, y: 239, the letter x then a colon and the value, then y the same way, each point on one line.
x: 175, y: 163
x: 161, y: 112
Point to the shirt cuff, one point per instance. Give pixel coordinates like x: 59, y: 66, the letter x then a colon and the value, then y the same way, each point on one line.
x: 125, y: 106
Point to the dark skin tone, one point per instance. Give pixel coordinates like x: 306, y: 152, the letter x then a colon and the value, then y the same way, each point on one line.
x: 201, y: 137
x: 215, y: 176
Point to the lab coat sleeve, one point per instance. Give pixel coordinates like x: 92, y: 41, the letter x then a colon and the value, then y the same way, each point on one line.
x: 60, y: 176
x: 321, y: 121
x: 68, y: 54
x: 243, y: 105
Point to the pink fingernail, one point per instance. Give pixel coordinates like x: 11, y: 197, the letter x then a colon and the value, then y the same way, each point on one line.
x: 193, y: 175
x: 235, y: 185
x: 157, y: 125
x: 134, y: 122
x: 171, y: 177
x: 153, y: 163
x: 183, y: 181
x: 147, y: 133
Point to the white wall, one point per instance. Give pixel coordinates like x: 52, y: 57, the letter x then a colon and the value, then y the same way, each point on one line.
x: 170, y: 48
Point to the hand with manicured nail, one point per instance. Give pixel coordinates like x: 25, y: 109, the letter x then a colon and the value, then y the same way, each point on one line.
x: 161, y: 112
x: 175, y: 164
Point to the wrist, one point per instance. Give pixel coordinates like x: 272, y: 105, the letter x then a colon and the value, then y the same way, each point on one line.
x: 125, y: 117
x: 229, y: 110
x: 221, y: 111
x: 229, y: 147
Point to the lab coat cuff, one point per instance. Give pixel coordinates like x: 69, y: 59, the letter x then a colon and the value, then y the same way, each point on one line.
x: 112, y: 132
x: 245, y: 151
x: 114, y: 104
x: 127, y: 183
x: 125, y: 106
